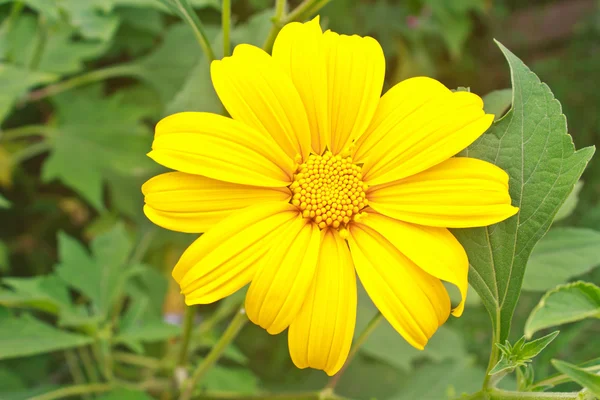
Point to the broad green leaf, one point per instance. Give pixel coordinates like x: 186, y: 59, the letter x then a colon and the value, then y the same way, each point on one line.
x: 45, y: 293
x: 532, y: 145
x: 497, y: 102
x: 567, y: 303
x: 92, y: 18
x: 585, y: 378
x: 447, y: 380
x: 255, y: 30
x: 125, y: 394
x: 148, y: 330
x: 27, y: 336
x: 3, y: 202
x: 569, y: 205
x: 385, y: 344
x: 562, y: 254
x: 238, y: 380
x: 100, y: 276
x: 97, y: 136
x: 197, y: 93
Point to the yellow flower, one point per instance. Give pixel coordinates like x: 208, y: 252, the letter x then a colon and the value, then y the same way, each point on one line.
x: 315, y: 177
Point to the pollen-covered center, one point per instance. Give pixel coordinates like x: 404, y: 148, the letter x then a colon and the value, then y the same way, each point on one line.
x: 329, y: 189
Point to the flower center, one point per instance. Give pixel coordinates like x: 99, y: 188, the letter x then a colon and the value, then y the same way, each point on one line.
x: 329, y: 189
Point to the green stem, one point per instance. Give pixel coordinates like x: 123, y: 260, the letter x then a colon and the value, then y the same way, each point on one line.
x: 137, y: 360
x: 31, y: 151
x: 85, y: 79
x: 279, y: 396
x: 7, y: 24
x: 189, y: 15
x: 27, y: 131
x: 188, y: 325
x: 103, y: 358
x: 562, y: 378
x: 88, y: 365
x: 309, y: 12
x: 74, y: 391
x: 74, y: 368
x: 277, y: 20
x: 497, y: 394
x: 38, y: 51
x: 228, y: 336
x: 494, y: 354
x: 226, y: 26
x: 333, y: 381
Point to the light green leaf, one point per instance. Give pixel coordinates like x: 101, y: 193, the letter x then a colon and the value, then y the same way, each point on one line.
x: 92, y: 18
x: 569, y: 205
x: 532, y: 145
x: 585, y: 378
x: 27, y: 336
x: 497, y: 102
x: 197, y: 93
x: 3, y: 202
x: 562, y: 254
x: 521, y: 353
x: 153, y: 330
x: 238, y: 380
x: 97, y: 134
x: 446, y: 380
x: 566, y: 303
x: 100, y: 276
x: 255, y: 30
x: 45, y: 293
x: 125, y: 394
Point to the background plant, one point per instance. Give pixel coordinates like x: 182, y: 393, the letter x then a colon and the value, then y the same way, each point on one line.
x: 87, y: 305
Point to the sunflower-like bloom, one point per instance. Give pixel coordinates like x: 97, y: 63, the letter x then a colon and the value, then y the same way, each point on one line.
x: 315, y: 179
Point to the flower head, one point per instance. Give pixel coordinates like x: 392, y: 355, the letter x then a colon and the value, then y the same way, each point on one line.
x: 316, y: 179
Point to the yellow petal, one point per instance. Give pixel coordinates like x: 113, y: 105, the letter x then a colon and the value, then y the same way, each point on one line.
x: 255, y: 90
x: 414, y: 302
x: 220, y: 148
x: 280, y: 286
x: 458, y: 193
x: 433, y: 249
x: 193, y: 203
x: 227, y: 257
x: 412, y: 133
x: 298, y: 50
x: 355, y: 72
x: 321, y: 335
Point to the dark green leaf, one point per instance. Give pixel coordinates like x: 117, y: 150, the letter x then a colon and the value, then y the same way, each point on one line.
x: 585, y: 378
x: 255, y: 30
x: 197, y: 93
x: 566, y: 303
x: 45, y: 293
x: 562, y: 254
x: 532, y: 145
x: 15, y: 82
x: 26, y: 336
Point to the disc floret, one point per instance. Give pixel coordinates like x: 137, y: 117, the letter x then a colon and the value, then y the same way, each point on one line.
x: 329, y: 189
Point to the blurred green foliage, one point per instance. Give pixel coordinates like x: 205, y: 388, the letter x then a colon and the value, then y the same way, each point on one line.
x: 86, y: 294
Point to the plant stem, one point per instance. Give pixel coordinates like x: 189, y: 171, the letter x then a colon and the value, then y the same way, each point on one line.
x: 280, y: 6
x: 74, y: 368
x: 333, y: 381
x: 497, y: 394
x: 189, y: 15
x: 562, y: 378
x: 88, y: 365
x: 74, y: 391
x: 40, y: 45
x: 84, y: 79
x: 30, y: 151
x: 137, y: 360
x: 226, y: 26
x: 26, y: 131
x: 188, y: 325
x: 229, y: 335
x: 494, y: 354
x: 268, y: 396
x: 303, y: 10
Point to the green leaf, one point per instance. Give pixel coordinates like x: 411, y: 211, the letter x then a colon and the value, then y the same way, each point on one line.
x: 521, y: 353
x: 497, y: 102
x: 562, y: 254
x: 532, y: 145
x: 92, y: 18
x: 585, y: 378
x: 45, y: 293
x: 197, y: 93
x: 569, y: 205
x: 531, y: 349
x: 27, y: 336
x: 3, y: 202
x: 567, y: 303
x: 98, y: 136
x: 100, y: 276
x: 153, y: 330
x: 255, y: 30
x: 125, y: 394
x: 238, y: 380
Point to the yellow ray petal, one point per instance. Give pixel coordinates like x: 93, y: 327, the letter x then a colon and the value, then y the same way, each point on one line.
x: 193, y: 203
x: 220, y: 148
x: 227, y: 257
x: 255, y: 90
x: 414, y: 302
x: 458, y: 193
x: 321, y: 335
x: 280, y: 286
x: 355, y: 72
x: 298, y: 50
x: 433, y: 249
x: 409, y: 135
